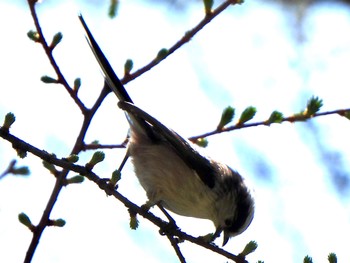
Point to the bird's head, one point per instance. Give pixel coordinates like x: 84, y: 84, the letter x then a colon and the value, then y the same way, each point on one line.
x: 234, y: 205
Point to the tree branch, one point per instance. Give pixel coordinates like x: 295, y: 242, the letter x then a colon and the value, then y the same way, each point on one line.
x: 48, y: 50
x: 111, y: 191
x: 186, y: 38
x: 174, y: 243
x: 293, y: 118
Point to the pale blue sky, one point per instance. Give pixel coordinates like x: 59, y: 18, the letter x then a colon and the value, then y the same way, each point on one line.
x: 248, y: 56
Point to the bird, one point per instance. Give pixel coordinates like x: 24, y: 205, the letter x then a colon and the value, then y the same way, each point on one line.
x: 173, y: 173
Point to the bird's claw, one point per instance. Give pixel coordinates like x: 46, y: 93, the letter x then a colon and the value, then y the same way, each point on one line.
x: 168, y: 228
x: 209, y: 238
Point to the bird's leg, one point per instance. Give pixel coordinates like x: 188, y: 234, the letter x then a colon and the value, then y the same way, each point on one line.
x: 169, y: 228
x: 126, y: 157
x: 217, y: 233
x: 171, y: 220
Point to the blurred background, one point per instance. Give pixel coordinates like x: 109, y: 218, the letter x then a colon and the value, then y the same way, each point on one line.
x: 273, y: 55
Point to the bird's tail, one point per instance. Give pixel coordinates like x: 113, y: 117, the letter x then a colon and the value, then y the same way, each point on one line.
x: 137, y: 123
x: 111, y: 78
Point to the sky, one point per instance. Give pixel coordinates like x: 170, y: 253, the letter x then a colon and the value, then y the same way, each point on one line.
x: 252, y: 55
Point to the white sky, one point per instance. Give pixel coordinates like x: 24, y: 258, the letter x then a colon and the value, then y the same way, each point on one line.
x: 248, y: 56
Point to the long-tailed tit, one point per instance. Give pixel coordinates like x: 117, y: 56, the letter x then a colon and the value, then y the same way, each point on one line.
x: 173, y: 174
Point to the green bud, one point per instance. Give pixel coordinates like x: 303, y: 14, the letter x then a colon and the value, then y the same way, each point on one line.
x: 33, y: 35
x: 73, y: 158
x: 24, y: 170
x: 134, y: 223
x: 247, y: 115
x: 21, y: 153
x: 129, y: 64
x: 12, y: 169
x: 48, y: 80
x: 113, y: 8
x: 9, y: 120
x: 226, y: 117
x: 332, y: 258
x: 208, y: 5
x: 56, y: 39
x: 313, y: 106
x: 249, y: 248
x: 96, y: 158
x: 307, y: 259
x: 25, y: 220
x: 162, y: 54
x: 50, y: 167
x: 58, y: 222
x: 77, y: 84
x: 116, y: 175
x: 202, y: 142
x: 75, y: 180
x: 275, y: 117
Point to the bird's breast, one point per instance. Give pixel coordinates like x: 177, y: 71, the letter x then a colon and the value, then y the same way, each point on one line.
x: 169, y: 181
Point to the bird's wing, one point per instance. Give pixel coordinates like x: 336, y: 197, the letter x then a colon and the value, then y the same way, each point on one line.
x: 188, y: 154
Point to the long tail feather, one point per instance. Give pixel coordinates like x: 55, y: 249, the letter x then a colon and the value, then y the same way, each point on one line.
x: 138, y: 124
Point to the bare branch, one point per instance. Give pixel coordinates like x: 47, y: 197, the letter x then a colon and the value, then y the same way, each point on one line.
x: 8, y: 169
x: 174, y: 243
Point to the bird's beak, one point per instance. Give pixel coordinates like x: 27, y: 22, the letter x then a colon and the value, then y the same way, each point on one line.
x: 226, y: 238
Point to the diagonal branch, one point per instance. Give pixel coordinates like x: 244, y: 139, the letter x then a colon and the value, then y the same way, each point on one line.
x: 185, y: 39
x: 102, y: 184
x: 174, y: 242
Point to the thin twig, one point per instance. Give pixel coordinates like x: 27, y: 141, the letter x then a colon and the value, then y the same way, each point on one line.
x: 88, y: 115
x: 48, y: 50
x: 97, y: 146
x: 186, y: 38
x: 8, y: 169
x: 294, y: 118
x: 174, y: 243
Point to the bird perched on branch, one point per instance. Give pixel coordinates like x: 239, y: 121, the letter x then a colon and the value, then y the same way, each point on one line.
x: 174, y: 175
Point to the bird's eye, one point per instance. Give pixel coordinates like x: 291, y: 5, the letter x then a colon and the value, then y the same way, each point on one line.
x: 228, y: 222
